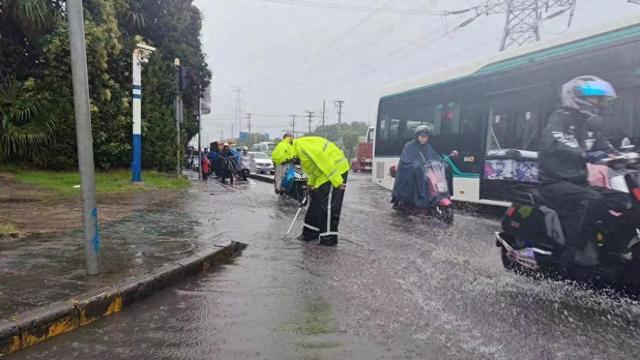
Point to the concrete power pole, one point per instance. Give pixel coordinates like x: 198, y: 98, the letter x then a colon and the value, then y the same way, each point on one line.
x: 339, y: 104
x: 324, y: 108
x: 238, y: 111
x: 310, y: 115
x: 293, y: 125
x: 80, y: 77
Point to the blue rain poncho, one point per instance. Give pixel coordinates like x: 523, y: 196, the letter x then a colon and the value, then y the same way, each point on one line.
x: 411, y: 183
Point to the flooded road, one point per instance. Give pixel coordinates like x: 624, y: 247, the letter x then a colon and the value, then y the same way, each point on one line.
x: 394, y: 288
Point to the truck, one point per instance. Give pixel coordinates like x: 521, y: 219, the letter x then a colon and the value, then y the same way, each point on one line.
x: 364, y: 153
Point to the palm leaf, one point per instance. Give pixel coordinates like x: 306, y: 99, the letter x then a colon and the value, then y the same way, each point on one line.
x: 25, y: 125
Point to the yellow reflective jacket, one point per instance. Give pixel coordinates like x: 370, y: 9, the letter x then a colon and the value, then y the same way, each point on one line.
x: 321, y: 160
x: 282, y: 153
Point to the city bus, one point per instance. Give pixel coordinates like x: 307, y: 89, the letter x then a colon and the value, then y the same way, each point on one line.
x: 499, y: 105
x: 265, y: 147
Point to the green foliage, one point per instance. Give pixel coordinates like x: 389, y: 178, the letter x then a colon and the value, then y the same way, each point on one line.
x: 35, y: 34
x: 67, y: 183
x: 25, y: 125
x: 346, y: 134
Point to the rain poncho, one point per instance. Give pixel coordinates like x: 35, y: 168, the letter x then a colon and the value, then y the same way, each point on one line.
x: 411, y: 181
x: 321, y: 160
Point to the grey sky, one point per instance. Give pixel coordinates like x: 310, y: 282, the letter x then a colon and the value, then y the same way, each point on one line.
x: 288, y: 58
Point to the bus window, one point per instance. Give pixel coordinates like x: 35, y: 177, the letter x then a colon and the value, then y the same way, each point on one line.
x: 383, y: 130
x: 515, y: 120
x: 394, y: 129
x: 450, y: 119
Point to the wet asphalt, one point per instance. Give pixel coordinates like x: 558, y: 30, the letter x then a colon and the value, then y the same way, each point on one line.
x: 394, y: 288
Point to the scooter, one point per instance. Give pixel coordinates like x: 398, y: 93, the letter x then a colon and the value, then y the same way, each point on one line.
x: 294, y: 184
x: 435, y: 174
x: 532, y: 238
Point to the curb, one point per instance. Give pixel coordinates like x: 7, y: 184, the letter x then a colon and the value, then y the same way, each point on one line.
x: 35, y: 326
x: 262, y: 178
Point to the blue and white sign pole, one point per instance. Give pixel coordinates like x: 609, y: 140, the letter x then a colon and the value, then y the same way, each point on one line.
x: 140, y: 56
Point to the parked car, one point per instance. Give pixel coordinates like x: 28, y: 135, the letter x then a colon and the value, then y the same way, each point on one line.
x: 261, y: 163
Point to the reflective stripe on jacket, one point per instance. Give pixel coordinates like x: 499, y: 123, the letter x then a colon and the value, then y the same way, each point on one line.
x: 321, y: 160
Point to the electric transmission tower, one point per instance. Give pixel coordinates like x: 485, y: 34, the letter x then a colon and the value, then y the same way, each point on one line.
x: 523, y: 17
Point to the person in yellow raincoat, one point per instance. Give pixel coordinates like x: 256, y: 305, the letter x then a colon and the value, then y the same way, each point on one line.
x: 281, y: 156
x: 327, y: 169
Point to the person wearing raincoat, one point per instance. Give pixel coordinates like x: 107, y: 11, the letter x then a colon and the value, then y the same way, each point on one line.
x: 411, y: 187
x: 327, y: 169
x: 281, y: 156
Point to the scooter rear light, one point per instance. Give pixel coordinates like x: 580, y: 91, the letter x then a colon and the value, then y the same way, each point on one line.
x: 445, y: 202
x: 636, y: 193
x: 511, y: 211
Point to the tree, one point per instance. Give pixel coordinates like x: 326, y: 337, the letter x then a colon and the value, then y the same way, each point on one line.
x: 34, y: 48
x: 349, y: 134
x: 25, y: 125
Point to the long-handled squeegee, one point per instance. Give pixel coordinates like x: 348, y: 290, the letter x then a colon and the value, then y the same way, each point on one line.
x: 302, y: 203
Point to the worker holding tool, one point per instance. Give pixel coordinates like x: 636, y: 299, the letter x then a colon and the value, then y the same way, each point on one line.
x: 327, y: 169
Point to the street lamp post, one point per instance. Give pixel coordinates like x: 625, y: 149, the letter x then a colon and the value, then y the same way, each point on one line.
x: 140, y: 56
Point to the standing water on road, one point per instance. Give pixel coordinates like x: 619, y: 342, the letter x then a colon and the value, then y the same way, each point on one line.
x: 394, y: 288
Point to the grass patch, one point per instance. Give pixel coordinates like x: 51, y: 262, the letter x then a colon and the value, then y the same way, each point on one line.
x: 8, y: 229
x: 320, y: 345
x: 316, y: 319
x: 67, y: 183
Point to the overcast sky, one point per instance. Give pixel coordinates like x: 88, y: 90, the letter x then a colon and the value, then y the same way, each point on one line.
x: 288, y: 58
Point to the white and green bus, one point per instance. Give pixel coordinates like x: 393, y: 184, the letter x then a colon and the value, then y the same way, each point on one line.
x: 503, y: 103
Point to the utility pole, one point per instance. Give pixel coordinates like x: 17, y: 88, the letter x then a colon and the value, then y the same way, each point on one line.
x: 200, y: 152
x: 178, y: 109
x: 80, y: 77
x: 310, y: 115
x: 238, y: 110
x: 140, y: 56
x: 293, y: 125
x: 324, y: 107
x: 338, y: 104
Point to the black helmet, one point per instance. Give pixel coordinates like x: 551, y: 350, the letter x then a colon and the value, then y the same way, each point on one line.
x: 424, y: 129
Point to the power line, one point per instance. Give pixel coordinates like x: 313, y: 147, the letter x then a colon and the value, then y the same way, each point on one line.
x: 335, y: 6
x: 318, y: 51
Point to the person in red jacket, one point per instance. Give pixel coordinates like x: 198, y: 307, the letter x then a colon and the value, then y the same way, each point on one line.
x: 204, y: 162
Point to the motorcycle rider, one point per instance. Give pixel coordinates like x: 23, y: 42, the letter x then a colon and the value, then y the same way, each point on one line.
x: 571, y: 133
x: 411, y: 187
x: 281, y: 157
x: 227, y: 158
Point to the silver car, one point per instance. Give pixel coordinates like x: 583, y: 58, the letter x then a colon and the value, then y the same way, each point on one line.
x: 261, y: 163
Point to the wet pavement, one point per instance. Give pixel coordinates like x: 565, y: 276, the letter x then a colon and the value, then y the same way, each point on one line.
x: 39, y: 269
x: 394, y: 288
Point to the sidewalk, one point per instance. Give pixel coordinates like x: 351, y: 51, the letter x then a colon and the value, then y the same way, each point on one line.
x: 39, y: 269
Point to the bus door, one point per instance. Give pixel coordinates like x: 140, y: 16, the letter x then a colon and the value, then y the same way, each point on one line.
x: 516, y: 119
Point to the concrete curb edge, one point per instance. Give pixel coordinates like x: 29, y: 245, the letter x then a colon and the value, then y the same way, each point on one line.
x: 262, y: 178
x: 35, y: 326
